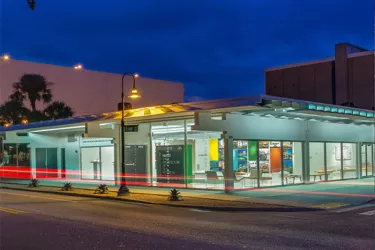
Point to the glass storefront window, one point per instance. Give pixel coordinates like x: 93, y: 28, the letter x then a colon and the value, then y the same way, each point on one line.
x: 349, y: 158
x: 16, y: 155
x: 170, y: 164
x: 138, y: 156
x: 1, y: 152
x: 333, y: 161
x: 363, y: 161
x: 23, y: 155
x: 205, y: 151
x: 245, y: 163
x: 292, y: 162
x: 367, y: 159
x: 317, y: 162
x: 270, y: 163
x: 245, y: 170
x: 17, y: 158
x: 10, y: 154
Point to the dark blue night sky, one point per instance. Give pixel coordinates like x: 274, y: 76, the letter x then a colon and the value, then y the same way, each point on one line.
x: 218, y: 48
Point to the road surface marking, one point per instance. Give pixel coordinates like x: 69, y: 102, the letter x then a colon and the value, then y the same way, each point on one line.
x: 43, y: 197
x: 199, y: 210
x: 330, y: 205
x: 11, y: 210
x: 371, y: 212
x: 347, y: 209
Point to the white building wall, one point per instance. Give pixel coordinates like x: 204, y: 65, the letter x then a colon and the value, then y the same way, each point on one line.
x: 269, y: 128
x: 39, y: 140
x: 72, y: 155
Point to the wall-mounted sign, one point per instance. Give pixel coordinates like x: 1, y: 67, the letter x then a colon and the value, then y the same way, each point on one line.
x: 22, y: 134
x: 131, y: 128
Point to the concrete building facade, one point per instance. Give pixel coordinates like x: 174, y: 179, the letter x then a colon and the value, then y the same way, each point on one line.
x: 87, y: 91
x: 346, y: 78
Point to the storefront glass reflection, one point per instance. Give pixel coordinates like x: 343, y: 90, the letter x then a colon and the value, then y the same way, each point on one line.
x: 333, y: 161
x: 15, y: 155
x: 317, y: 161
x: 292, y: 163
x: 16, y: 158
x: 23, y: 155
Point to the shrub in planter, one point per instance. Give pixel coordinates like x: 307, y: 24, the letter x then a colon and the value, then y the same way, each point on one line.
x: 101, y: 189
x: 34, y: 183
x: 67, y: 187
x: 175, y: 195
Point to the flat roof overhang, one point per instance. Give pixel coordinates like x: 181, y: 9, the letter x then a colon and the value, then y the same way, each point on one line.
x: 262, y: 105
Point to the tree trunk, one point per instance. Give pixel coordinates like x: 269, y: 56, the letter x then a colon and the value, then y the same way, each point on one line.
x: 33, y: 106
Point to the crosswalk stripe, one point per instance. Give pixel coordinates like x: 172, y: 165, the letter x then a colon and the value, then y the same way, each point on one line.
x: 371, y: 212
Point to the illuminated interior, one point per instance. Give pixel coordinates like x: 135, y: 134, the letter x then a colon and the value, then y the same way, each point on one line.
x: 176, y: 145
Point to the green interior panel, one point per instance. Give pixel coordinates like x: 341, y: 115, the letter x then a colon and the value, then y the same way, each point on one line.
x: 252, y: 150
x: 189, y: 164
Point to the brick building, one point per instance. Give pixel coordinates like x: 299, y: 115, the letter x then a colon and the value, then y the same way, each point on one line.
x: 345, y: 79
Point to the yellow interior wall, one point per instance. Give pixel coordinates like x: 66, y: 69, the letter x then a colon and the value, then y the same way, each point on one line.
x: 214, y: 149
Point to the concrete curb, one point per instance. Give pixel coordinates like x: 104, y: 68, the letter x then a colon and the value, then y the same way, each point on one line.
x: 201, y: 207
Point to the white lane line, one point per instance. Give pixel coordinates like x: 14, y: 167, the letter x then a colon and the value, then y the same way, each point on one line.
x: 371, y: 212
x: 43, y: 197
x: 347, y: 209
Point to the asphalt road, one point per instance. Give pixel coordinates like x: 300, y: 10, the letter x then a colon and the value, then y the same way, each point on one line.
x: 43, y: 221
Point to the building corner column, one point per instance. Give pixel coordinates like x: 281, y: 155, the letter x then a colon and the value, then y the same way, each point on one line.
x: 306, y: 155
x: 359, y: 160
x: 228, y: 159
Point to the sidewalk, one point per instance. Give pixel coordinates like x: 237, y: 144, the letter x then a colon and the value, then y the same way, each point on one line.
x: 322, y: 195
x: 207, y: 200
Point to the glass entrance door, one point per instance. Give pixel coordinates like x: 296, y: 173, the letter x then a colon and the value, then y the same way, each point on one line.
x: 46, y: 162
x: 367, y: 159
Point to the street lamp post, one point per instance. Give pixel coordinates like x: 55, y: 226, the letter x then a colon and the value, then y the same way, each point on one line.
x: 124, y: 190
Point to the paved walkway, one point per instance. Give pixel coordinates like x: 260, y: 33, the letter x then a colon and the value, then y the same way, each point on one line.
x: 326, y: 195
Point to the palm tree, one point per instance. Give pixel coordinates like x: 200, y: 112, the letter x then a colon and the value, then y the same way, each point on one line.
x: 31, y: 4
x: 58, y: 110
x: 33, y: 87
x: 13, y: 112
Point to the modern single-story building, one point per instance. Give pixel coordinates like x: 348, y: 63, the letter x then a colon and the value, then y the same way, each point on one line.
x: 240, y: 143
